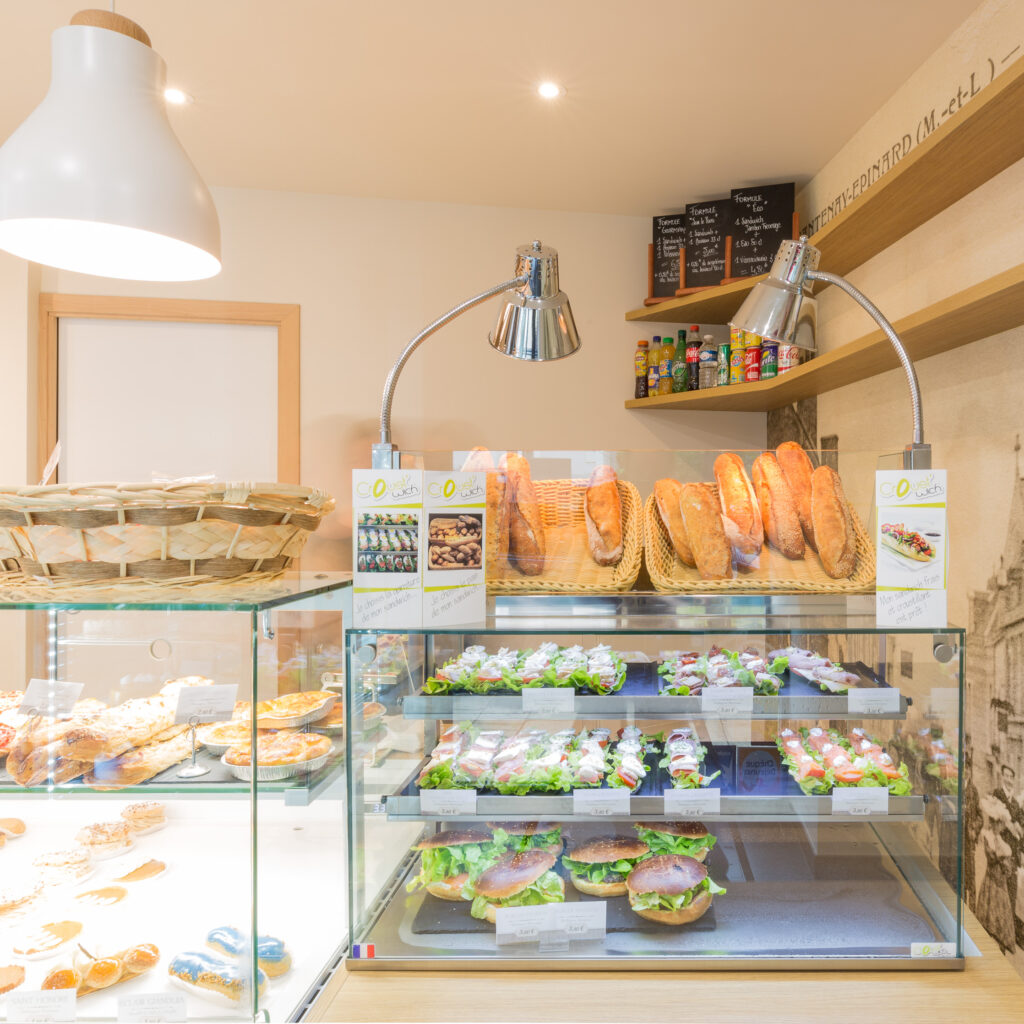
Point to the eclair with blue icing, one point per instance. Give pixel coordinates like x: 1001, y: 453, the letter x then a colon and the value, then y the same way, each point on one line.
x: 208, y: 975
x: 271, y: 953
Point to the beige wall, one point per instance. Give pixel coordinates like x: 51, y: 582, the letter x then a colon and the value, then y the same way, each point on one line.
x: 369, y: 274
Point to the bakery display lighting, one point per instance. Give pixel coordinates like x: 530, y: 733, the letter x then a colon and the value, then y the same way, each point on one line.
x: 782, y: 308
x: 95, y: 180
x: 535, y: 324
x: 549, y: 90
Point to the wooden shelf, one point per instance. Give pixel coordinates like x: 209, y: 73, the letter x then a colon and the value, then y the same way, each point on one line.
x: 980, y: 311
x: 973, y: 145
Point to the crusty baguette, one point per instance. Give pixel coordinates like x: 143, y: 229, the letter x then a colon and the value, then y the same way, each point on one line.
x: 741, y: 516
x: 666, y: 497
x: 705, y: 532
x: 797, y: 468
x: 602, y: 511
x: 778, y: 508
x: 526, y: 547
x: 38, y: 768
x: 139, y: 765
x: 833, y: 524
x: 497, y: 518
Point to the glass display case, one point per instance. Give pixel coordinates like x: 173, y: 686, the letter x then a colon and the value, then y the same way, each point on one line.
x: 140, y: 851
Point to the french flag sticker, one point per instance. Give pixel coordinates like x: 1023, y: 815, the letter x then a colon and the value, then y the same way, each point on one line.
x: 363, y: 951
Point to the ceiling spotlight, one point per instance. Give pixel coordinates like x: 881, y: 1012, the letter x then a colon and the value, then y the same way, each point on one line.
x: 176, y: 96
x: 549, y: 90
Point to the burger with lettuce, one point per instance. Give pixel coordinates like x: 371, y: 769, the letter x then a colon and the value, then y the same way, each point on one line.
x: 449, y: 861
x: 599, y: 866
x: 670, y: 889
x: 528, y: 835
x: 684, y: 838
x: 517, y: 880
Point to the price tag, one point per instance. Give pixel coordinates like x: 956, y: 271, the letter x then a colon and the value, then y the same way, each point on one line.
x: 945, y: 703
x: 206, y: 703
x: 600, y: 802
x: 448, y: 803
x: 41, y: 1007
x: 885, y: 700
x: 727, y: 701
x: 522, y: 924
x: 50, y: 697
x: 693, y: 803
x: 547, y: 700
x: 583, y: 922
x: 466, y: 709
x: 860, y: 800
x: 933, y: 950
x: 153, y: 1006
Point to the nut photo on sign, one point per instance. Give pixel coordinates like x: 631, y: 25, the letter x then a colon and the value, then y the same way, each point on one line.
x: 455, y: 542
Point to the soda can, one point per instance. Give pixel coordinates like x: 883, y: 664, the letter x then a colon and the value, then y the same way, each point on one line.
x: 769, y: 360
x: 753, y: 340
x: 736, y: 338
x: 723, y: 364
x: 789, y: 356
x: 752, y: 364
x: 737, y: 362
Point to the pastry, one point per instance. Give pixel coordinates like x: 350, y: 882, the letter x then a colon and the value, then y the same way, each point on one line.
x: 11, y: 699
x: 12, y: 827
x: 526, y: 543
x: 11, y: 977
x: 19, y: 894
x: 60, y: 866
x: 778, y: 507
x: 833, y: 524
x: 142, y: 871
x: 7, y: 734
x: 705, y: 531
x: 62, y: 977
x: 45, y: 940
x: 174, y: 686
x: 145, y: 817
x: 497, y: 519
x: 666, y: 497
x: 797, y: 467
x: 740, y: 514
x: 271, y: 953
x: 205, y: 974
x: 335, y: 718
x: 37, y: 767
x: 103, y: 969
x: 139, y: 765
x: 224, y: 734
x: 280, y: 749
x: 105, y: 897
x: 107, y: 839
x: 602, y: 510
x: 294, y: 705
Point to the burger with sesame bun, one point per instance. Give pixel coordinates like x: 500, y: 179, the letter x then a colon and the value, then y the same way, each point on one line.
x: 599, y: 866
x: 450, y: 860
x: 517, y: 880
x: 529, y: 835
x: 671, y: 889
x: 685, y: 838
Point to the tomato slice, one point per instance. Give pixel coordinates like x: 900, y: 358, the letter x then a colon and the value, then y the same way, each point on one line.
x: 850, y: 776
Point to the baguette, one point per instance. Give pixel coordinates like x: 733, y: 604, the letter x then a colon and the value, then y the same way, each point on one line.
x: 497, y: 519
x: 740, y: 514
x: 705, y: 532
x: 526, y: 547
x: 602, y: 510
x: 833, y: 524
x: 666, y: 497
x: 139, y: 765
x: 778, y: 508
x: 39, y: 767
x: 797, y: 469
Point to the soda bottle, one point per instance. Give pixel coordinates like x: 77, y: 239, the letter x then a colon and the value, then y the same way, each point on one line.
x: 668, y: 356
x: 679, y: 364
x: 653, y: 367
x: 693, y: 358
x: 640, y: 369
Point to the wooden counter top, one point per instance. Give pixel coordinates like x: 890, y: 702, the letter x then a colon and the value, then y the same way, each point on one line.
x: 988, y: 991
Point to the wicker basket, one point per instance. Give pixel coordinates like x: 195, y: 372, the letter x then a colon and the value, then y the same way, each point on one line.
x: 102, y: 533
x: 776, y: 574
x: 569, y: 567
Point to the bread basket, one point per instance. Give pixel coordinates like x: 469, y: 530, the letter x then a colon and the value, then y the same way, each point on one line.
x: 88, y: 534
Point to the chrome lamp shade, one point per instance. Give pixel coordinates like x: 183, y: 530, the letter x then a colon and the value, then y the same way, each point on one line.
x: 536, y: 322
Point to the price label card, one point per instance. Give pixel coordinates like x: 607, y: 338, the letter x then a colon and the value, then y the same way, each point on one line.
x: 933, y: 950
x: 50, y: 697
x: 468, y: 709
x: 577, y: 922
x: 883, y: 700
x: 41, y: 1007
x: 548, y: 700
x: 600, y: 803
x: 693, y: 803
x: 945, y: 703
x: 448, y: 803
x: 860, y: 800
x: 522, y: 924
x: 153, y: 1006
x: 727, y: 701
x: 206, y: 703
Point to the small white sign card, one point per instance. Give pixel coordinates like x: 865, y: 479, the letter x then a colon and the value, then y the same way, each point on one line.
x: 521, y: 924
x: 860, y: 800
x: 882, y: 700
x: 601, y: 803
x: 552, y: 924
x: 693, y: 803
x: 50, y: 697
x: 727, y: 701
x: 448, y: 802
x: 910, y: 538
x: 41, y: 1007
x: 205, y: 704
x: 155, y: 1007
x: 541, y: 700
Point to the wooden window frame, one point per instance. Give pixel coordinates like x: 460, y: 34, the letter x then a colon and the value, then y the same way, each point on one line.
x: 285, y: 318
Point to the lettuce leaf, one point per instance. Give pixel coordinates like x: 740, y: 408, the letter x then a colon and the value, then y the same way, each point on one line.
x: 544, y: 841
x: 436, y: 685
x: 556, y: 779
x: 440, y: 776
x: 609, y: 871
x: 676, y: 901
x: 549, y: 888
x: 447, y: 861
x: 663, y: 843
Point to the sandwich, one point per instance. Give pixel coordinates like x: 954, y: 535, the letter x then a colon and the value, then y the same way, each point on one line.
x: 680, y: 838
x: 599, y: 867
x: 520, y: 836
x: 908, y: 543
x: 741, y: 516
x: 450, y: 860
x: 666, y: 496
x: 671, y: 889
x: 684, y: 754
x: 517, y: 880
x: 832, y: 523
x: 602, y: 511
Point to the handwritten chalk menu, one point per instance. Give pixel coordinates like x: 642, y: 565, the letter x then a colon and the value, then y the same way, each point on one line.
x: 707, y: 224
x: 760, y: 219
x: 669, y: 238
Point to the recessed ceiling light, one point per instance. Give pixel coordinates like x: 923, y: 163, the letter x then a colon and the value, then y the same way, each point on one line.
x: 550, y: 90
x: 177, y: 96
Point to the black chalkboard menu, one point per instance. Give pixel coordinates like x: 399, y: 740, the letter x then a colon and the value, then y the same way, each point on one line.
x: 669, y: 238
x: 707, y: 224
x: 761, y: 218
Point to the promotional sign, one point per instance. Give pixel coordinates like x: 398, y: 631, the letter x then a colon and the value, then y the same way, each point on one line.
x: 910, y: 538
x: 454, y: 563
x: 387, y: 538
x: 50, y: 697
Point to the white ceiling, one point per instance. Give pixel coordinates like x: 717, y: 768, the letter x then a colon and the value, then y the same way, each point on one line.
x: 667, y: 101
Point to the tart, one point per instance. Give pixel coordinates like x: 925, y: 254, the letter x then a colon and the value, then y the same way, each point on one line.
x: 280, y: 749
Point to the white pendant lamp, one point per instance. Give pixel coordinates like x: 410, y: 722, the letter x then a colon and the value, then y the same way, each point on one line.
x: 95, y: 179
